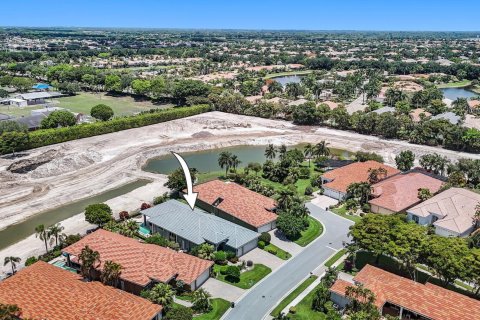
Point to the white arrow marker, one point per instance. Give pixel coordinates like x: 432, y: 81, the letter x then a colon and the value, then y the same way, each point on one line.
x: 191, y: 196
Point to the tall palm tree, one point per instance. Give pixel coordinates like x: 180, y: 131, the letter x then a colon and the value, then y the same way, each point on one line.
x: 13, y: 262
x: 89, y: 260
x: 308, y: 152
x: 321, y: 149
x: 42, y: 233
x: 161, y: 294
x: 55, y: 231
x: 225, y: 161
x: 270, y: 152
x: 282, y: 151
x: 235, y: 162
x: 9, y: 311
x: 111, y: 273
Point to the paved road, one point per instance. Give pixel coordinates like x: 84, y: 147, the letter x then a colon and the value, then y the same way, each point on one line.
x: 257, y: 302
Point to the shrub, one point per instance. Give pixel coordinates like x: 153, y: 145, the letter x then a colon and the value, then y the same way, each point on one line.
x: 30, y: 261
x: 261, y: 244
x: 292, y: 310
x: 308, y: 191
x: 232, y: 273
x: 160, y: 199
x: 233, y: 259
x: 124, y: 215
x: 230, y: 254
x: 265, y: 237
x: 272, y: 251
x: 71, y: 239
x: 145, y: 206
x: 366, y: 207
x: 179, y: 312
x: 98, y: 213
x: 101, y: 112
x: 157, y: 239
x: 220, y: 257
x: 304, y: 173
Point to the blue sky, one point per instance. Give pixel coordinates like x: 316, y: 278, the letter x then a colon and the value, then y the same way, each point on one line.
x: 431, y: 15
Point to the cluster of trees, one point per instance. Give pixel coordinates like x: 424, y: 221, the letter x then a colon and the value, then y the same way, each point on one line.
x: 411, y: 244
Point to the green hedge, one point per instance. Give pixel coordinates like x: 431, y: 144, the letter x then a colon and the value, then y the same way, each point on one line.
x: 47, y: 137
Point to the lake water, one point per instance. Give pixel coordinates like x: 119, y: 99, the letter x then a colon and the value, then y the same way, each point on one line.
x: 207, y: 160
x: 288, y: 79
x: 454, y: 93
x: 19, y: 231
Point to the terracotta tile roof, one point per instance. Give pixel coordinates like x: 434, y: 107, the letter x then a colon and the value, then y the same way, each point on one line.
x: 400, y: 192
x: 355, y: 172
x: 428, y: 299
x: 454, y: 207
x: 473, y: 103
x: 43, y: 291
x: 141, y: 262
x: 240, y: 202
x: 415, y: 114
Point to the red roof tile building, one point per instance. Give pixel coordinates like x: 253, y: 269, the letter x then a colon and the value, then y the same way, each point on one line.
x: 44, y: 291
x: 400, y: 192
x: 399, y: 296
x: 237, y: 204
x: 142, y: 264
x: 336, y: 182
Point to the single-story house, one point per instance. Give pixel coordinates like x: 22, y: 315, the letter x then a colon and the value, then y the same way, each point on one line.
x: 336, y: 182
x: 237, y: 204
x: 406, y: 299
x: 384, y: 110
x: 330, y: 164
x: 44, y: 291
x: 449, y: 116
x: 32, y: 122
x: 143, y: 264
x: 400, y: 192
x: 416, y: 114
x: 16, y: 102
x: 189, y: 228
x: 451, y: 212
x: 37, y: 97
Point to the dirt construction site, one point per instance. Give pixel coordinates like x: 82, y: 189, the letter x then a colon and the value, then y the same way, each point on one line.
x: 52, y: 176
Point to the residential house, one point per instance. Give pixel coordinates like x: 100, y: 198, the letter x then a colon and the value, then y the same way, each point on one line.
x: 37, y: 97
x: 406, y: 299
x: 451, y: 212
x: 44, y: 291
x: 176, y: 221
x: 143, y: 264
x: 336, y: 182
x: 400, y: 192
x: 237, y: 204
x: 449, y: 116
x: 416, y: 114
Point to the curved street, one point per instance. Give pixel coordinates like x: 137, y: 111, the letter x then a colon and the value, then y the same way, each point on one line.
x: 257, y: 302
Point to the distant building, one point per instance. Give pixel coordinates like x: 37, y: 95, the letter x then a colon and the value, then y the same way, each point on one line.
x: 37, y: 97
x: 449, y: 116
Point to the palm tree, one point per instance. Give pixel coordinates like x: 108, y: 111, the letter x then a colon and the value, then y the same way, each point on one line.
x: 13, y: 262
x: 201, y: 301
x: 161, y: 294
x: 111, y: 273
x: 225, y: 161
x: 42, y: 233
x: 89, y: 260
x: 55, y: 231
x: 360, y: 191
x: 235, y: 162
x: 128, y: 228
x: 9, y: 311
x: 282, y: 151
x: 270, y: 152
x: 308, y: 152
x: 321, y: 149
x: 476, y: 217
x: 375, y: 175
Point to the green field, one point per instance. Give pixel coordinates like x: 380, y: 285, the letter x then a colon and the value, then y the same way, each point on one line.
x: 219, y: 307
x: 342, y: 211
x: 457, y: 84
x: 295, y: 293
x: 247, y: 278
x: 313, y: 231
x: 83, y: 102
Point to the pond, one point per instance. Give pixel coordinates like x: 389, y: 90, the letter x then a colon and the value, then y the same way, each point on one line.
x: 454, y: 93
x: 288, y: 79
x: 19, y: 231
x: 207, y: 160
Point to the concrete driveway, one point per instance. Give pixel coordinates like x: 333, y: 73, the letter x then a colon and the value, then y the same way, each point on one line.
x: 258, y: 255
x: 220, y: 289
x: 323, y: 201
x: 279, y: 239
x: 258, y: 301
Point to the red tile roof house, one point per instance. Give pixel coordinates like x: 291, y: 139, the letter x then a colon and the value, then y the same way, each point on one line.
x: 336, y: 182
x: 143, y: 264
x: 406, y: 299
x: 237, y: 204
x: 451, y: 212
x: 400, y: 192
x: 44, y: 291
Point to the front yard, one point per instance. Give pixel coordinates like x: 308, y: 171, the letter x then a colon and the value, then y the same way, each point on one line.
x: 247, y: 278
x: 313, y: 231
x: 343, y: 212
x: 303, y: 310
x: 273, y: 249
x: 288, y: 299
x: 219, y: 307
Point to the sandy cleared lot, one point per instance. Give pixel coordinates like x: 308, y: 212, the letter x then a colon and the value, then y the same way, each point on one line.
x: 82, y: 168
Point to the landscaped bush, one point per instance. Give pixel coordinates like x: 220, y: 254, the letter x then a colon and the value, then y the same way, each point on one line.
x: 220, y: 257
x: 123, y: 215
x: 304, y: 173
x: 47, y: 137
x: 265, y: 237
x: 232, y: 273
x: 261, y: 244
x: 272, y: 251
x: 179, y: 312
x: 292, y: 310
x: 145, y: 206
x: 308, y: 191
x: 30, y: 261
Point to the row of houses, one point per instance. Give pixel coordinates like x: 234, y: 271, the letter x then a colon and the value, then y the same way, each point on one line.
x: 450, y: 211
x: 231, y: 219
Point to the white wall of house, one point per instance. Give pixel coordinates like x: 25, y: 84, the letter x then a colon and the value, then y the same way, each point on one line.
x: 200, y: 280
x: 339, y: 300
x: 247, y: 247
x: 377, y: 209
x: 267, y: 227
x: 423, y: 221
x: 334, y: 193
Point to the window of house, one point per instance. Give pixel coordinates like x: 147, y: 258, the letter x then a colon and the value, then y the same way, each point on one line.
x: 415, y: 218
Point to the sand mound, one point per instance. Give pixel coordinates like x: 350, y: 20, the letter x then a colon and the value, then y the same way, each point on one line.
x: 66, y: 164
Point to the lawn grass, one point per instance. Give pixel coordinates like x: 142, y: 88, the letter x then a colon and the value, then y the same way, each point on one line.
x: 282, y: 254
x: 304, y: 309
x: 287, y: 73
x: 187, y: 296
x: 313, y: 231
x: 219, y: 307
x: 457, y: 84
x: 342, y: 212
x: 335, y: 258
x: 248, y: 278
x: 295, y: 293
